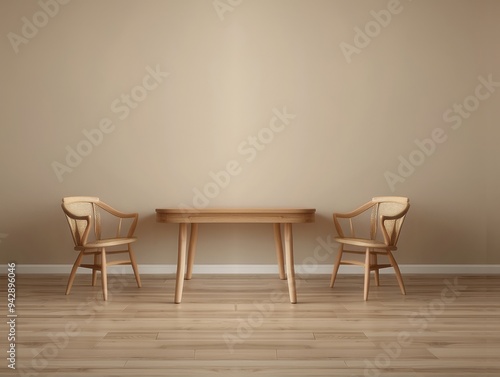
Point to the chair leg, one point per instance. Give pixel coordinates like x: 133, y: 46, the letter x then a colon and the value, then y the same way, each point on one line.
x: 104, y: 275
x: 134, y: 266
x: 336, y: 265
x: 73, y: 272
x: 397, y: 271
x: 94, y: 270
x: 367, y: 274
x: 377, y: 275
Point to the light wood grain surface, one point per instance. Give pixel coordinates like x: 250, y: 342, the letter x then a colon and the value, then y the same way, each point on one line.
x: 275, y: 216
x: 235, y: 215
x: 245, y: 326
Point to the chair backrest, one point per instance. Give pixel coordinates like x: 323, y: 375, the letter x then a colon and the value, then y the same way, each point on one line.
x: 388, y: 215
x: 82, y: 214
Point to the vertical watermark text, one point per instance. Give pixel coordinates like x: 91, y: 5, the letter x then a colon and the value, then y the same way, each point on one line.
x: 11, y: 315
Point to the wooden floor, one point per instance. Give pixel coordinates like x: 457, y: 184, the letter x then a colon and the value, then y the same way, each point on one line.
x: 245, y: 326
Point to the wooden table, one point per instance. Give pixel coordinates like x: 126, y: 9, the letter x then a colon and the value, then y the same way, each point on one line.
x: 275, y: 216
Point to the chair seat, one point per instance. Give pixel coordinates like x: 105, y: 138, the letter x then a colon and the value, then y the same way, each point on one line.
x: 107, y: 242
x: 364, y: 242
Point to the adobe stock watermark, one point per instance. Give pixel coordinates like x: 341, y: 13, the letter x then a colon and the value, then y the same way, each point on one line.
x: 253, y: 320
x: 122, y: 107
x: 58, y: 341
x: 420, y: 322
x: 262, y: 310
x: 224, y: 6
x: 371, y: 30
x: 31, y: 26
x: 456, y: 114
x: 249, y: 149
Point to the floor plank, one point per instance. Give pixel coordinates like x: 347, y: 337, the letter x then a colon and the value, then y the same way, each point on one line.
x: 242, y: 325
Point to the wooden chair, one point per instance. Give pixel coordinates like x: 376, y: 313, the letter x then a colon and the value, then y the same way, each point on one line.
x: 371, y: 230
x: 88, y: 215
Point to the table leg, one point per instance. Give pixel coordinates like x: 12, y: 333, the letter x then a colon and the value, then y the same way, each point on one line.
x: 181, y: 262
x: 193, y: 237
x: 279, y: 250
x: 290, y: 269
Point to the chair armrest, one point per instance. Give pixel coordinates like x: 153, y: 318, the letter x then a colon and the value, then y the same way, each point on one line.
x: 115, y: 212
x: 122, y: 215
x: 337, y: 216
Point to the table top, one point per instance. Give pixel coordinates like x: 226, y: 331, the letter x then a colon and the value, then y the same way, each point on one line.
x: 235, y: 215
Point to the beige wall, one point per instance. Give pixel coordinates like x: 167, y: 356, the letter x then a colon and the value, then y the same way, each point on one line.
x: 354, y: 105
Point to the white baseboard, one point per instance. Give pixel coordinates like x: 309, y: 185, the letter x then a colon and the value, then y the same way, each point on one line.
x: 146, y: 269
